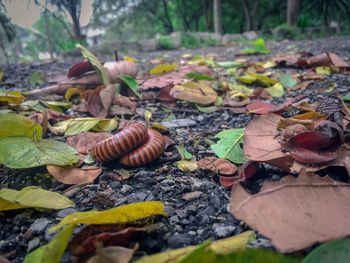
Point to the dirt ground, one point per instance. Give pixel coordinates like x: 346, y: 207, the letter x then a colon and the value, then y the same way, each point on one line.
x: 192, y: 219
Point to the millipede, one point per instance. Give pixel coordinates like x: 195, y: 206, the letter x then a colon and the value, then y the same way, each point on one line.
x: 135, y: 146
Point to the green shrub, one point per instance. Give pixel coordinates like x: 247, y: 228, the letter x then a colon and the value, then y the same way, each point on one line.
x: 189, y: 41
x: 166, y: 42
x: 286, y: 32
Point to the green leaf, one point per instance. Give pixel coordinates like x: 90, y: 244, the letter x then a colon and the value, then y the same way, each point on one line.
x: 287, y: 81
x: 35, y: 105
x: 228, y: 64
x: 117, y: 215
x: 259, y: 47
x: 96, y: 63
x: 229, y: 145
x: 12, y: 97
x: 337, y: 251
x: 53, y: 251
x: 32, y: 196
x: 59, y: 106
x: 22, y: 152
x: 201, y: 253
x: 37, y: 78
x: 185, y: 155
x: 132, y: 84
x: 13, y: 125
x: 276, y: 90
x: 198, y: 76
x: 210, y: 109
x: 345, y: 98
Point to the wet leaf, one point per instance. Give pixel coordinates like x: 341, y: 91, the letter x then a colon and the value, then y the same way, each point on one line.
x: 198, y: 76
x: 287, y: 81
x: 15, y: 125
x: 79, y: 125
x: 333, y: 251
x: 74, y: 175
x: 32, y: 196
x: 162, y: 68
x: 102, y: 72
x: 122, y: 214
x: 22, y: 152
x: 260, y: 107
x: 194, y: 92
x: 223, y: 246
x: 276, y: 90
x: 187, y: 165
x: 295, y: 212
x: 229, y: 145
x: 132, y: 84
x: 12, y: 97
x: 53, y: 250
x: 185, y: 155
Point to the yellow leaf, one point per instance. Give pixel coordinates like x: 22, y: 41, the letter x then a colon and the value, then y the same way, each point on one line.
x: 187, y: 56
x: 32, y: 196
x: 148, y: 115
x: 159, y: 127
x: 187, y: 165
x: 223, y: 246
x: 59, y: 106
x: 198, y: 92
x: 276, y: 90
x: 117, y: 215
x: 15, y: 125
x: 323, y: 70
x: 1, y: 75
x: 106, y: 125
x: 13, y: 97
x: 269, y: 64
x: 130, y: 59
x: 71, y: 92
x: 162, y: 68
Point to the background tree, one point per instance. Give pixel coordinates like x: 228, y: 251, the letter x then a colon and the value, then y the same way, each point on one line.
x: 217, y: 17
x: 292, y: 12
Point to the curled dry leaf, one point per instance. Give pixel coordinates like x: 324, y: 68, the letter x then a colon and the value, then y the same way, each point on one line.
x: 125, y: 102
x: 79, y: 69
x: 100, y: 100
x: 74, y: 175
x: 246, y: 171
x: 84, y: 141
x: 216, y: 165
x: 327, y: 59
x: 295, y: 213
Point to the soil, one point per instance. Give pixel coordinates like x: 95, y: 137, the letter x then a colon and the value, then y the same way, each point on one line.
x: 191, y: 220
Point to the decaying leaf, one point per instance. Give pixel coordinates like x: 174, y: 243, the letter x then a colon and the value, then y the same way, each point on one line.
x: 229, y: 145
x: 22, y: 152
x: 53, y: 250
x: 220, y: 166
x: 295, y: 213
x: 74, y: 175
x: 100, y: 100
x: 197, y: 92
x: 32, y: 196
x: 84, y: 141
x: 260, y: 107
x: 113, y: 254
x: 121, y: 214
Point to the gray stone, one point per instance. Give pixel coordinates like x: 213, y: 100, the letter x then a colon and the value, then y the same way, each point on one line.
x: 192, y: 195
x: 174, y: 219
x: 250, y: 35
x: 260, y: 243
x: 176, y: 39
x: 221, y: 230
x: 39, y: 225
x: 179, y: 123
x: 34, y: 243
x: 229, y: 38
x: 207, y: 36
x: 179, y: 240
x: 147, y: 45
x: 126, y: 188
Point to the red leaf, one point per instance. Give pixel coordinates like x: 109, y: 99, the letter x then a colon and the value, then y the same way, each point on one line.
x: 260, y: 107
x: 79, y: 69
x: 304, y: 155
x: 311, y: 140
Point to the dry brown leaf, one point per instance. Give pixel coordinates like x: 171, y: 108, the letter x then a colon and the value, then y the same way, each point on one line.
x: 100, y: 100
x: 197, y: 92
x: 125, y: 102
x: 84, y: 141
x: 296, y: 213
x: 216, y: 165
x: 69, y: 175
x: 113, y: 254
x: 261, y: 145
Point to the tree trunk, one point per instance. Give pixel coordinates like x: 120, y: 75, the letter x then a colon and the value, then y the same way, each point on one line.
x: 250, y: 13
x: 168, y: 24
x: 217, y: 16
x: 292, y: 12
x: 208, y: 14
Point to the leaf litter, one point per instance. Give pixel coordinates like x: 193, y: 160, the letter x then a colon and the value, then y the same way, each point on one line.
x: 297, y: 136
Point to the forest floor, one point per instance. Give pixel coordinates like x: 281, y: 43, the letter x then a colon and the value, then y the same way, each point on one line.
x: 196, y: 203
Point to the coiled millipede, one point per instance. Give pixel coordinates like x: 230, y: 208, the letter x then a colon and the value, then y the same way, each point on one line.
x: 135, y: 145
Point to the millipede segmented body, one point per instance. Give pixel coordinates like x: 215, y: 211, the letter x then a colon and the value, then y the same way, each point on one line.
x: 120, y: 144
x: 148, y: 152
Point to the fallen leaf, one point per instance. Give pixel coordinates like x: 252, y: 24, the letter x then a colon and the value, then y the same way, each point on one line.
x: 84, y: 141
x: 53, y: 250
x: 228, y: 64
x: 209, y: 109
x: 187, y: 165
x: 260, y: 142
x: 276, y: 90
x: 295, y: 212
x: 220, y: 166
x: 122, y: 214
x: 185, y: 155
x: 74, y: 175
x: 80, y: 68
x: 198, y: 76
x: 333, y: 251
x: 162, y: 68
x: 287, y: 81
x: 12, y: 97
x: 100, y: 100
x: 247, y: 170
x: 197, y: 92
x: 223, y: 246
x: 229, y: 145
x: 22, y: 152
x: 259, y: 107
x: 32, y: 196
x: 327, y: 59
x: 113, y: 254
x: 15, y: 125
x: 59, y: 106
x: 132, y: 84
x: 258, y: 47
x: 72, y: 92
